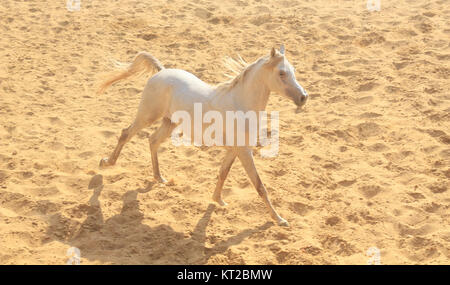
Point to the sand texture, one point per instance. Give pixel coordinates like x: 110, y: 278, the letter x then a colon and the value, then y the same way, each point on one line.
x: 365, y: 164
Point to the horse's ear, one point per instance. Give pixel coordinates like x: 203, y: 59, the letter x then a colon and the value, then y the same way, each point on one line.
x: 282, y: 49
x: 273, y: 52
x: 275, y: 58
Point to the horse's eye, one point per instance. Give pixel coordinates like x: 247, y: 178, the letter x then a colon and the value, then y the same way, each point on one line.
x: 282, y: 73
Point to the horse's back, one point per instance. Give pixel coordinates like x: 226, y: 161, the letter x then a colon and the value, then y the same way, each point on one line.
x: 182, y: 82
x: 171, y: 90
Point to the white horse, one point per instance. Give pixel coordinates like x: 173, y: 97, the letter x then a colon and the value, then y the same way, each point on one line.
x: 171, y: 90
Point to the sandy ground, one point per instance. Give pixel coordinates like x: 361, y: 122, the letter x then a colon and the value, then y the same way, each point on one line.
x: 365, y: 164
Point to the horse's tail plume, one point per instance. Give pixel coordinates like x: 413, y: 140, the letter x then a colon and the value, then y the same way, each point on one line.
x: 142, y: 63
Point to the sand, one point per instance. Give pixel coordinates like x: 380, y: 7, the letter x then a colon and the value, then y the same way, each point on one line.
x: 365, y: 164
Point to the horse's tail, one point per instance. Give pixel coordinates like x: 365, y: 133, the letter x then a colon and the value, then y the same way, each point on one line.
x: 143, y: 62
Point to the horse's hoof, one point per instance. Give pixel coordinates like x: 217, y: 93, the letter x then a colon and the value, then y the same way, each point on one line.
x: 283, y: 223
x: 104, y: 162
x: 220, y: 202
x: 161, y: 179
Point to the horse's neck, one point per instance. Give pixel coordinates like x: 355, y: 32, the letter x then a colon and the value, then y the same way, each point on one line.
x: 250, y: 94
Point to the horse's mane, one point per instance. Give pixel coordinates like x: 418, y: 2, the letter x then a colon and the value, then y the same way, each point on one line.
x: 240, y: 68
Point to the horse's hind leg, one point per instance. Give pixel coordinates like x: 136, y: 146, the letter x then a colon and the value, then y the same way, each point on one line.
x: 142, y: 121
x: 125, y: 136
x: 224, y: 169
x: 155, y: 140
x: 246, y: 157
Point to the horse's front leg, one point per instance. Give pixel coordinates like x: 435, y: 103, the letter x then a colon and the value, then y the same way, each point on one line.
x: 246, y: 157
x: 224, y: 169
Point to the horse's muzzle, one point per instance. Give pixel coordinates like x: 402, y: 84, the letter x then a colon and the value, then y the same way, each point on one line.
x: 298, y: 96
x: 301, y: 100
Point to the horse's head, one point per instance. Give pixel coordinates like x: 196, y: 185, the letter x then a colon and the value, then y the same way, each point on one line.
x: 281, y: 78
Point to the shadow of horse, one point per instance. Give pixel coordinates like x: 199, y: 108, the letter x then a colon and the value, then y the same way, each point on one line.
x: 124, y: 239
